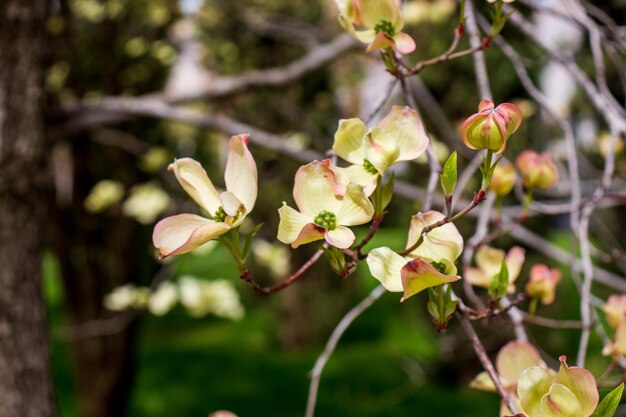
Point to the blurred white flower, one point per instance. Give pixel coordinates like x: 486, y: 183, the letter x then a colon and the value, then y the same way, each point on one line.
x: 125, y: 297
x: 163, y: 299
x: 218, y: 297
x: 272, y: 256
x: 146, y: 202
x: 104, y: 194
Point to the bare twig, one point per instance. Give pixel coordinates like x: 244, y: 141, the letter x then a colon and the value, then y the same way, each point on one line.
x: 331, y: 344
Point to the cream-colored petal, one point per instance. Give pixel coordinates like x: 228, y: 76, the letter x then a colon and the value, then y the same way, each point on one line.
x: 582, y: 383
x: 291, y: 223
x: 365, y: 36
x: 385, y: 265
x: 560, y: 402
x: 241, y: 175
x: 444, y: 242
x: 381, y: 149
x: 349, y: 140
x: 532, y: 385
x: 418, y: 275
x: 182, y: 233
x: 315, y: 189
x: 340, y: 237
x: 194, y: 180
x: 355, y: 208
x: 513, y: 359
x: 476, y: 277
x: 404, y: 127
x: 358, y: 175
x: 514, y: 261
x: 489, y: 260
x: 231, y: 204
x: 373, y: 12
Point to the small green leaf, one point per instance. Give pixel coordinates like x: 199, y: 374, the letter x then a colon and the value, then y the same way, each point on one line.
x: 499, y: 283
x: 609, y: 404
x: 448, y: 176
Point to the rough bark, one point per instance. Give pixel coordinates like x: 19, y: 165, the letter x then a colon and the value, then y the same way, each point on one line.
x: 25, y: 380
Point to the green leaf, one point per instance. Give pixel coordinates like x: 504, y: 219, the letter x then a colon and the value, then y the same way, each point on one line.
x: 499, y: 283
x: 248, y: 243
x: 609, y: 404
x: 448, y: 176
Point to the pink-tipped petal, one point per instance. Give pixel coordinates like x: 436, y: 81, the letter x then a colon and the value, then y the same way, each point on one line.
x: 418, y: 275
x: 291, y: 223
x: 444, y: 242
x: 195, y: 181
x: 231, y: 204
x: 309, y: 233
x: 340, y: 237
x: 381, y: 41
x: 183, y: 233
x: 405, y: 44
x: 485, y: 105
x: 581, y: 383
x: 476, y: 277
x: 512, y: 116
x: 356, y: 174
x: 386, y: 266
x: 241, y: 175
x: 514, y: 261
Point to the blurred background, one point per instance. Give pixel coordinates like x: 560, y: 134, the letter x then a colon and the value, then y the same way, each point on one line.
x: 137, y: 337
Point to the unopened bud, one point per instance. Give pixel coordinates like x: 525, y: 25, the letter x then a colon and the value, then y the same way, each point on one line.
x: 538, y: 170
x: 503, y: 179
x: 542, y: 284
x: 491, y: 128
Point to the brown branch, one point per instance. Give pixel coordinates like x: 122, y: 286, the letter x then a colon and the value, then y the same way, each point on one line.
x: 247, y: 276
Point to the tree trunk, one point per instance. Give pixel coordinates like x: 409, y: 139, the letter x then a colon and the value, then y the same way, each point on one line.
x: 25, y: 380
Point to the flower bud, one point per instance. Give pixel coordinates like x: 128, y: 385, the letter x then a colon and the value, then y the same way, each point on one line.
x: 542, y: 284
x: 503, y: 179
x: 490, y: 128
x: 538, y: 170
x: 615, y: 310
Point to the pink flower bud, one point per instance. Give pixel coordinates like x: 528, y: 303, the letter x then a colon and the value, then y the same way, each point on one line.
x: 503, y: 179
x: 542, y: 284
x: 490, y: 128
x: 538, y: 170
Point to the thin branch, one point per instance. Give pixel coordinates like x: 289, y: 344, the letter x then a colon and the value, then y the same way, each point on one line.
x: 247, y: 276
x: 331, y: 344
x: 480, y: 66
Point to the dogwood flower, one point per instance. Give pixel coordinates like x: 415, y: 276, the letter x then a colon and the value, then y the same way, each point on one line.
x: 491, y: 128
x: 182, y: 233
x: 512, y: 360
x: 615, y: 310
x: 324, y: 212
x: 538, y: 170
x: 382, y: 24
x: 571, y: 392
x: 542, y: 283
x: 489, y: 261
x: 429, y: 265
x: 399, y: 136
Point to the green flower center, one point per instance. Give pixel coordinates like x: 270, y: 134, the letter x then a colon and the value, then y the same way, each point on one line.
x: 386, y: 27
x: 220, y: 215
x: 326, y: 219
x: 369, y: 167
x: 439, y: 266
